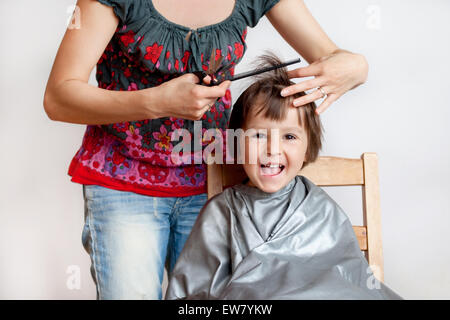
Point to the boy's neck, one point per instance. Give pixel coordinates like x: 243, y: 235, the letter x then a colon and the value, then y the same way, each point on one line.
x: 249, y: 183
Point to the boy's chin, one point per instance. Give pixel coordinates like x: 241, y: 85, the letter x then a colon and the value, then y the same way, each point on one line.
x: 268, y: 187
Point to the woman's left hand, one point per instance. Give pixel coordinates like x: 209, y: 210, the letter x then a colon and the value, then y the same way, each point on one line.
x: 335, y: 74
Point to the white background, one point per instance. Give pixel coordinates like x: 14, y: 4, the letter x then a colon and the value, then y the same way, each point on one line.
x: 401, y: 113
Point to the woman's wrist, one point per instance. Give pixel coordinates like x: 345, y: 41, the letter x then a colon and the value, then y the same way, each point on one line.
x: 363, y: 67
x: 149, y: 100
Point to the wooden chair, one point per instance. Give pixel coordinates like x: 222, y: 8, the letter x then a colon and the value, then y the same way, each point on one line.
x: 330, y: 171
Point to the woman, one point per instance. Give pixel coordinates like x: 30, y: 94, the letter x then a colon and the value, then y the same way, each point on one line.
x: 139, y: 205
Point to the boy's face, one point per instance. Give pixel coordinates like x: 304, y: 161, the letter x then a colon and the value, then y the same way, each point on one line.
x: 275, y: 151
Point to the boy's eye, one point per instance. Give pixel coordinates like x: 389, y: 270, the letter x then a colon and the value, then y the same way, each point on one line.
x: 259, y: 135
x: 290, y: 137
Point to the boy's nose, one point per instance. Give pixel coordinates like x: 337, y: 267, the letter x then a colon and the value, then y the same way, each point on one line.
x: 273, y: 145
x: 272, y: 152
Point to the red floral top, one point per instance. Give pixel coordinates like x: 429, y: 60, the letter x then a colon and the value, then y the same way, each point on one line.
x: 145, y: 51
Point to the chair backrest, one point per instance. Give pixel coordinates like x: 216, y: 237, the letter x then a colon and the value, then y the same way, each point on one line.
x: 330, y: 171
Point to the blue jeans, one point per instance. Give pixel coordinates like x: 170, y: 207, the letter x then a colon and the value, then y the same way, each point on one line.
x: 130, y: 237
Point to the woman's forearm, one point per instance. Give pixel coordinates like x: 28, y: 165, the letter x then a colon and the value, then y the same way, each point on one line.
x: 75, y: 101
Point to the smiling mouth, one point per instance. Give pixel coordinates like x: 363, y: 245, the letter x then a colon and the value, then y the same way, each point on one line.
x: 271, y: 169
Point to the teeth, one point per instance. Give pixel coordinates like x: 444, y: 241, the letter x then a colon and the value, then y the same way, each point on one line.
x: 271, y: 170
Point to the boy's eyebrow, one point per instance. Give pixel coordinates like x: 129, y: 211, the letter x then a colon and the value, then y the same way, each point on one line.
x: 298, y: 129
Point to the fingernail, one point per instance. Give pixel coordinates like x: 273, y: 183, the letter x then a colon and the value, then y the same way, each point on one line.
x: 284, y: 92
x: 296, y: 103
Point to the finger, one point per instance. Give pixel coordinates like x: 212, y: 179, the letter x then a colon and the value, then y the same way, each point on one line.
x: 308, y: 71
x: 215, y: 91
x: 313, y: 96
x: 190, y: 77
x: 206, y: 108
x: 225, y: 84
x: 205, y: 102
x: 208, y: 103
x: 207, y: 79
x: 303, y: 86
x: 326, y: 103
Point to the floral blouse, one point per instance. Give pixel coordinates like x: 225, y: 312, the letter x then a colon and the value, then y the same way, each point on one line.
x: 145, y: 51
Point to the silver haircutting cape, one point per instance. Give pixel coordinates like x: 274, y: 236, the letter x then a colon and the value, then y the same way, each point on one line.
x: 296, y: 243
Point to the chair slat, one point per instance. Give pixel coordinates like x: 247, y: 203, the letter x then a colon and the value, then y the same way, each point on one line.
x: 334, y: 171
x: 361, y: 235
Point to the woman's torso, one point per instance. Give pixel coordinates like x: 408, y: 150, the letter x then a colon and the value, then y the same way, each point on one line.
x: 147, y: 49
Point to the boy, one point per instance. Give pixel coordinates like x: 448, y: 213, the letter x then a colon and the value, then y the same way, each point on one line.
x: 276, y: 235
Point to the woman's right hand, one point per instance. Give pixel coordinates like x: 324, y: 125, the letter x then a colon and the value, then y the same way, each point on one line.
x: 183, y: 97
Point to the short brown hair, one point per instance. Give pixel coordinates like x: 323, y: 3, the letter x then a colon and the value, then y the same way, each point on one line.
x: 263, y: 96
